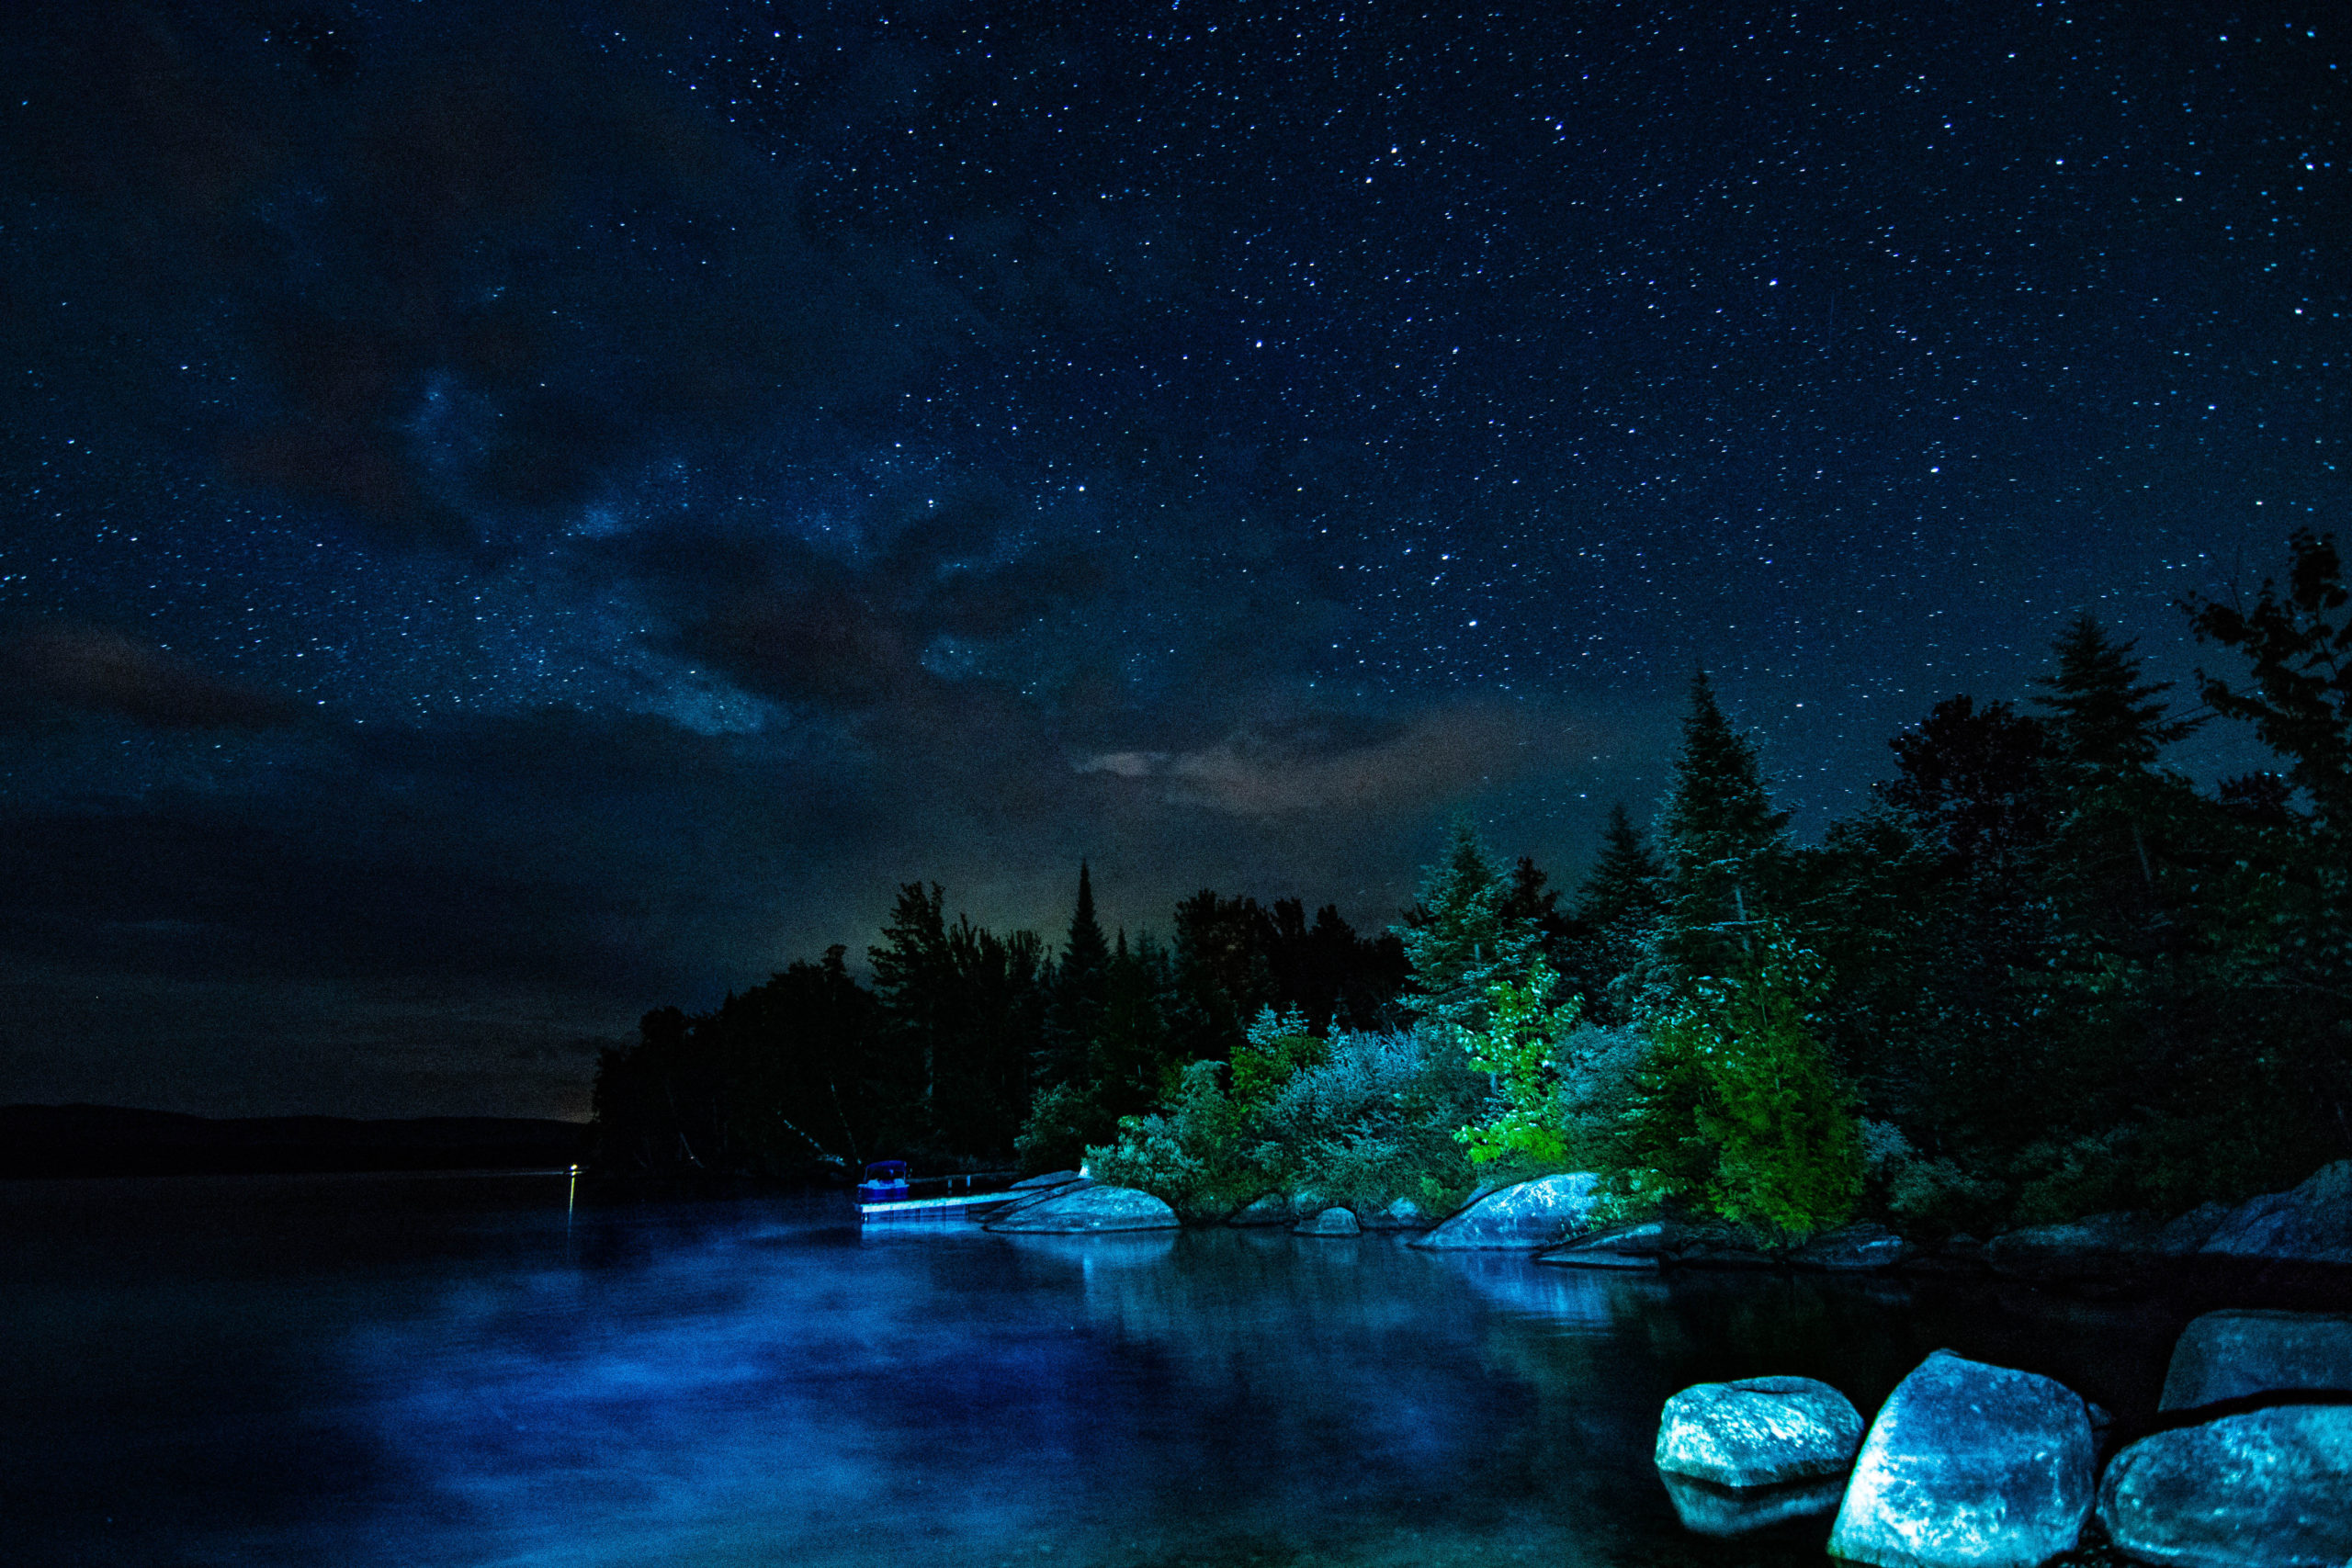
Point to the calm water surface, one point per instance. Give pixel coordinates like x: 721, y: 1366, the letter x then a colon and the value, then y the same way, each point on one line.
x: 440, y: 1370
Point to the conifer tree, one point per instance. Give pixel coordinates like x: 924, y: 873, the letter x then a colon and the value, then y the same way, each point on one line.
x: 1460, y: 939
x: 1622, y: 889
x: 1074, y: 1019
x: 1616, y: 905
x: 1722, y: 840
x: 2105, y: 723
x: 1133, y: 1050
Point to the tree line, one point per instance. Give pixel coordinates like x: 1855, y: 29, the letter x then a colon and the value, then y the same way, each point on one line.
x: 2041, y: 974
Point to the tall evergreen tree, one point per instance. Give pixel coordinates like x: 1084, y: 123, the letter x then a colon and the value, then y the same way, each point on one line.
x: 914, y: 980
x: 1460, y: 939
x: 1080, y: 992
x: 2104, y: 723
x: 1721, y: 840
x: 1616, y: 903
x: 1622, y: 889
x: 1223, y: 974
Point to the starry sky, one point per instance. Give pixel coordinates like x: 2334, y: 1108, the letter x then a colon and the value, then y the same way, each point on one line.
x: 519, y: 515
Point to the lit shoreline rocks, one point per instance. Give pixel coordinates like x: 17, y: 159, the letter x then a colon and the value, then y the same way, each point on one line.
x: 1524, y: 1217
x: 1759, y: 1432
x: 1086, y: 1210
x: 2237, y: 1353
x: 2268, y: 1489
x: 1968, y: 1466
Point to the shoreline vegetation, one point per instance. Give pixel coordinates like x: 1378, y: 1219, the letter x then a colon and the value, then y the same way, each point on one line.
x: 2042, y: 976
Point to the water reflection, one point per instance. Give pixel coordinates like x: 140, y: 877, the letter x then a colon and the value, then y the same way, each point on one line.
x: 359, y: 1375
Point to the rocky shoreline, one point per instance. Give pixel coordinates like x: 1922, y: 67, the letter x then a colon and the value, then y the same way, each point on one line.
x: 2305, y: 1234
x: 2248, y: 1463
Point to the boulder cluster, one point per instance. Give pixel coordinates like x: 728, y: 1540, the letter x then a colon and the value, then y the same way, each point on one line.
x: 1969, y: 1465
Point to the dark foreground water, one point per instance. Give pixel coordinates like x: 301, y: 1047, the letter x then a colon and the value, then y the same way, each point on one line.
x: 439, y: 1370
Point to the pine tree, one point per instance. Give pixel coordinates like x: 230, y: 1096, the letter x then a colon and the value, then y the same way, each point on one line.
x: 1722, y: 840
x: 1133, y: 1052
x: 2104, y: 723
x: 914, y: 981
x: 1622, y: 889
x: 1615, y: 905
x: 1460, y: 939
x: 1074, y: 1021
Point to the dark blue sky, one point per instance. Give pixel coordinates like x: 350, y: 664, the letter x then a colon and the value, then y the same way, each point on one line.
x: 517, y: 514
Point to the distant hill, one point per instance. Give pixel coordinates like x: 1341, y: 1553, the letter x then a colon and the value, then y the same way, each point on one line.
x: 108, y: 1140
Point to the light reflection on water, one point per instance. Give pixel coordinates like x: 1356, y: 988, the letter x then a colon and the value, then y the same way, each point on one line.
x: 390, y: 1372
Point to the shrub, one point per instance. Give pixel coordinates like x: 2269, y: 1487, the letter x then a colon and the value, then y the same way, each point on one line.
x: 1520, y: 1048
x: 1737, y: 1106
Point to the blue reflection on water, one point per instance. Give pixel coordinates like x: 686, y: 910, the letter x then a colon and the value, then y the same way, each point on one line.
x: 405, y: 1372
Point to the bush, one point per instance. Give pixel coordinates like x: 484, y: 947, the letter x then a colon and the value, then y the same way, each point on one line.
x: 1926, y: 1197
x: 1738, y: 1107
x: 1371, y: 1123
x: 1520, y: 1047
x: 1364, y: 1119
x: 1188, y: 1154
x: 1062, y: 1120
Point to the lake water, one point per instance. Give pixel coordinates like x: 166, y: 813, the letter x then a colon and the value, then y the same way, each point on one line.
x: 442, y: 1370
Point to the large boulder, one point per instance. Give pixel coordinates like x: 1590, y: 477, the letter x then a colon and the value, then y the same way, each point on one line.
x: 1086, y: 1210
x: 1758, y: 1431
x: 2269, y: 1489
x: 2229, y: 1354
x: 1532, y: 1214
x: 1968, y: 1466
x: 2311, y: 1224
x: 1330, y: 1221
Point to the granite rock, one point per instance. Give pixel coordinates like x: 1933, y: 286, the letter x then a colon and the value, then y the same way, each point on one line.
x: 1968, y: 1466
x: 2233, y: 1354
x: 2269, y: 1489
x: 1852, y: 1249
x: 1526, y: 1216
x: 1757, y: 1432
x: 1706, y: 1509
x: 1333, y: 1221
x: 2313, y: 1223
x: 1088, y: 1210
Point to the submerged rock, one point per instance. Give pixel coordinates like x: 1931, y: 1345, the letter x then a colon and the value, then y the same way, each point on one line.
x: 2229, y: 1354
x: 1969, y: 1465
x: 2269, y: 1489
x: 1706, y: 1509
x: 1330, y: 1221
x: 1532, y: 1214
x: 1089, y: 1209
x: 1757, y: 1432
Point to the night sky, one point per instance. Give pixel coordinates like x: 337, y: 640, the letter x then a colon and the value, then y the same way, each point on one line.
x: 519, y: 515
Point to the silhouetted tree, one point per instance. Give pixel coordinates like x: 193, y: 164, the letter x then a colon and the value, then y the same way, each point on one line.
x: 1722, y: 842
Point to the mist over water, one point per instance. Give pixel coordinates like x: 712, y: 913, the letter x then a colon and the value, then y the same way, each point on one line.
x: 415, y: 1370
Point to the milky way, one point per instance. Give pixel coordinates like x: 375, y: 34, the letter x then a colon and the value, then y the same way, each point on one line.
x: 517, y: 518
